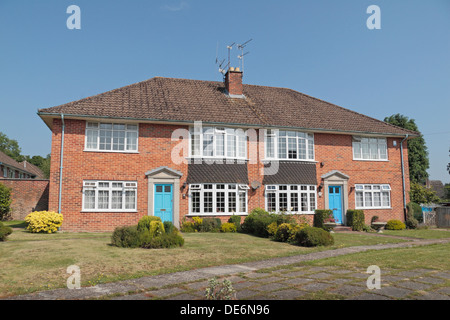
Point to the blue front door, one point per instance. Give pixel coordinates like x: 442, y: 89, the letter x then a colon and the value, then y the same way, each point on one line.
x: 335, y: 202
x: 164, y: 201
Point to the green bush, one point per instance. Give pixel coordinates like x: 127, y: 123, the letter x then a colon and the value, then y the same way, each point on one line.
x: 258, y: 220
x: 228, y: 227
x: 163, y: 240
x: 5, y: 202
x: 168, y: 226
x: 395, y: 225
x: 236, y: 220
x: 320, y: 216
x: 145, y: 221
x: 355, y: 219
x: 188, y: 226
x: 210, y: 225
x: 126, y: 237
x: 156, y: 228
x: 4, y: 231
x: 414, y: 212
x: 312, y: 237
x: 284, y: 232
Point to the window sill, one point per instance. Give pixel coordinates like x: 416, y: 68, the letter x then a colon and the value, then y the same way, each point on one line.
x: 291, y: 160
x: 374, y: 160
x: 110, y: 151
x: 374, y: 208
x: 217, y: 214
x: 109, y: 211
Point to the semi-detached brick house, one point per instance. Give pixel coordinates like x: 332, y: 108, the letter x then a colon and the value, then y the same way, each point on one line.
x: 180, y: 148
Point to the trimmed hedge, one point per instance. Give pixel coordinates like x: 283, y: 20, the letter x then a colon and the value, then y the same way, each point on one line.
x: 395, y: 225
x: 126, y: 237
x: 4, y: 231
x: 312, y: 237
x: 320, y: 216
x: 355, y: 219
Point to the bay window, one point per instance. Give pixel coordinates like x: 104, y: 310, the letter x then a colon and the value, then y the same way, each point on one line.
x: 218, y: 142
x: 218, y: 199
x: 289, y: 145
x: 291, y: 198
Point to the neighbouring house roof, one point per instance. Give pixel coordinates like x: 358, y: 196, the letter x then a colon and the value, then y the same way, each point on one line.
x: 7, y: 161
x: 34, y: 170
x: 186, y: 101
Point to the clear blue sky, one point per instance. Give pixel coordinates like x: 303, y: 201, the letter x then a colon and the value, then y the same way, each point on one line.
x: 321, y: 48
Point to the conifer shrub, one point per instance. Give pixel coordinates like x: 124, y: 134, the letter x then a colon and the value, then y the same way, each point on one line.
x: 312, y: 237
x: 355, y: 219
x: 4, y: 231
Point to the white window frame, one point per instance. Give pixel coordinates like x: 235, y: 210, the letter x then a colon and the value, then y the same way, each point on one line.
x: 275, y: 189
x: 239, y: 147
x: 275, y: 136
x: 372, y: 189
x: 380, y: 144
x: 237, y: 189
x: 97, y: 129
x: 94, y: 185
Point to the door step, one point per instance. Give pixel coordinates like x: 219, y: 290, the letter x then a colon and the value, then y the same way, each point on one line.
x: 342, y: 228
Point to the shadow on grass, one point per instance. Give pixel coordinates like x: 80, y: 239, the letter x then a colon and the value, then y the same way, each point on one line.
x: 15, y: 224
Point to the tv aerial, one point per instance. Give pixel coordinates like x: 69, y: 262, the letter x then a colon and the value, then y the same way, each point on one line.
x: 241, y: 56
x: 223, y: 68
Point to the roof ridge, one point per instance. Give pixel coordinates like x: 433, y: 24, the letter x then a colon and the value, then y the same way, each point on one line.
x: 352, y: 111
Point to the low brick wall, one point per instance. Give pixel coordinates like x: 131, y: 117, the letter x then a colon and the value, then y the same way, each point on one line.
x: 27, y: 195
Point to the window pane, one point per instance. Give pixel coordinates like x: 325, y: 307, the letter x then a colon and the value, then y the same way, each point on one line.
x: 304, y: 202
x: 311, y: 149
x: 377, y: 199
x: 282, y: 147
x: 368, y: 199
x: 386, y: 199
x: 242, y: 144
x: 208, y: 139
x: 359, y: 199
x: 89, y: 199
x: 231, y: 202
x: 282, y: 199
x: 103, y: 199
x: 242, y: 202
x: 356, y: 150
x: 131, y: 141
x: 270, y: 147
x: 302, y: 148
x: 271, y: 201
x: 116, y: 200
x: 294, y: 202
x: 195, y: 202
x: 365, y: 149
x: 312, y: 201
x: 220, y: 202
x: 220, y: 144
x: 292, y: 148
x: 91, y: 141
x: 130, y: 199
x: 105, y: 139
x: 231, y: 145
x: 208, y: 202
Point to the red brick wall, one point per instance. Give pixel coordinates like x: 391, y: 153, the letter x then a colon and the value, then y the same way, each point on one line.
x: 27, y: 195
x: 155, y: 148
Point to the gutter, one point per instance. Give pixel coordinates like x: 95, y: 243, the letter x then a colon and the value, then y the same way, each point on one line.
x: 403, y: 176
x: 61, y: 163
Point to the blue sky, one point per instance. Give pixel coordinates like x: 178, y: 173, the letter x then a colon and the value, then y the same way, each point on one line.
x: 321, y: 48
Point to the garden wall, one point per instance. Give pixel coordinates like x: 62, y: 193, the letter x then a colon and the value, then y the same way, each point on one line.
x: 27, y: 195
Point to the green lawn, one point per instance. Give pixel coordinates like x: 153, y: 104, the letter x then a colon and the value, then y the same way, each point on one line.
x: 32, y: 262
x: 420, y: 233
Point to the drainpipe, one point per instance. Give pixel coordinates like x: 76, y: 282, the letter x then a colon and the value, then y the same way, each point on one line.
x: 61, y: 162
x: 403, y: 177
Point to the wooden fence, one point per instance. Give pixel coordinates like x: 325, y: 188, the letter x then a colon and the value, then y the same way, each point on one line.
x: 443, y: 217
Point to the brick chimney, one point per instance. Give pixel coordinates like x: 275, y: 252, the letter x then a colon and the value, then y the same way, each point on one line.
x: 233, y: 82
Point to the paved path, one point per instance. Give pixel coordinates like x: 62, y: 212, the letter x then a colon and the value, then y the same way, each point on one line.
x: 284, y: 282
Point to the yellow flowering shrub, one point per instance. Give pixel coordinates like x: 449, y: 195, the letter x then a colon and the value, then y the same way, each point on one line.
x: 44, y: 221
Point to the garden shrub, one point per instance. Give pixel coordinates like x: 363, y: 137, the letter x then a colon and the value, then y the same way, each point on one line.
x: 312, y: 237
x: 283, y: 232
x: 188, y: 226
x: 413, y: 215
x: 43, y: 221
x: 5, y: 202
x: 258, y: 220
x: 163, y: 240
x: 210, y: 225
x: 127, y: 237
x: 355, y: 219
x: 156, y: 228
x: 198, y: 222
x: 236, y: 220
x: 4, y: 231
x: 395, y: 225
x: 168, y: 226
x: 320, y: 216
x: 228, y: 227
x: 145, y: 221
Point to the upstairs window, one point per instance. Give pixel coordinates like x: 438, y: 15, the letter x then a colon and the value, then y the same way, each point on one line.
x: 289, y: 145
x: 218, y: 142
x: 114, y: 137
x: 369, y: 148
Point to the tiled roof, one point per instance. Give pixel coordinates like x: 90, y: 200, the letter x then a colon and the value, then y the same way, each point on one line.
x: 215, y: 172
x: 181, y: 100
x: 285, y: 172
x: 10, y: 162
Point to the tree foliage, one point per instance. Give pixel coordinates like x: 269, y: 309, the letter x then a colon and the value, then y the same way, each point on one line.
x: 417, y: 149
x: 420, y: 194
